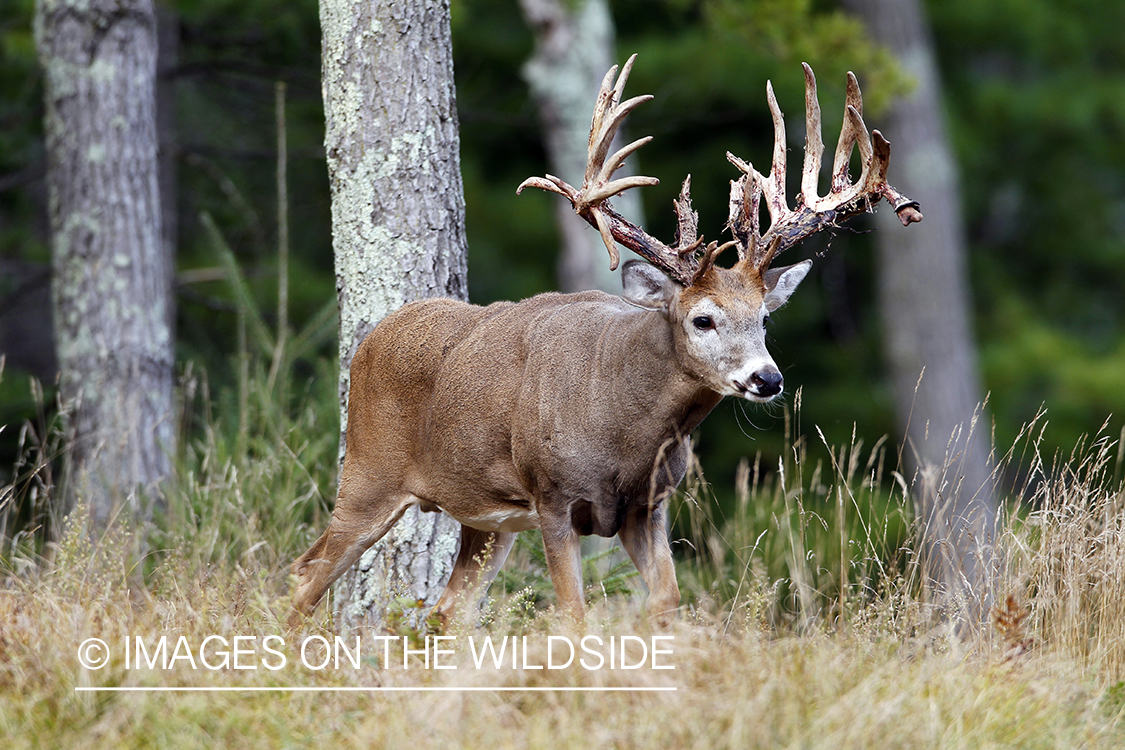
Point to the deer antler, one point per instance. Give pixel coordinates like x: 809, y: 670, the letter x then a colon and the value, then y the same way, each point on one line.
x: 683, y: 261
x: 592, y: 201
x: 813, y: 212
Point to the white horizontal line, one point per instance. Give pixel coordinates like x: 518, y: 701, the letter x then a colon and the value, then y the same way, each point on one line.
x: 346, y: 689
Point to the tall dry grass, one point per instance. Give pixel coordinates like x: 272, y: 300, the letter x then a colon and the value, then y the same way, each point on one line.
x: 805, y: 620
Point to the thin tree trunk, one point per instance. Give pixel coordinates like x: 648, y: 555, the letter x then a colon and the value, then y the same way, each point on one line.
x: 112, y: 277
x: 398, y: 231
x: 925, y: 305
x: 574, y: 47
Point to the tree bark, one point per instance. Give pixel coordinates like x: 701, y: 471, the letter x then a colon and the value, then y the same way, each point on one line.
x: 925, y: 304
x: 167, y: 138
x: 574, y: 47
x: 398, y: 231
x: 111, y: 276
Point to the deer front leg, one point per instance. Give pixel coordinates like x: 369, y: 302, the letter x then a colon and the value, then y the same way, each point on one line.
x: 646, y: 541
x: 564, y: 563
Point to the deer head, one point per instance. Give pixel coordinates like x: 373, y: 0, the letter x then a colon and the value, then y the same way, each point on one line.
x: 718, y: 315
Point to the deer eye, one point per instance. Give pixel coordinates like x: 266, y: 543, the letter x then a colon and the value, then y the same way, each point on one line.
x: 703, y: 322
x: 765, y: 321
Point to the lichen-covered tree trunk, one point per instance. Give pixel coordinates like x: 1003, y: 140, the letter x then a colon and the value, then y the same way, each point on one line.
x: 574, y: 47
x: 398, y: 231
x: 925, y: 305
x: 111, y: 275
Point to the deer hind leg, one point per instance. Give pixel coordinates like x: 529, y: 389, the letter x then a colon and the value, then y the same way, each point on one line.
x: 360, y: 519
x: 646, y: 541
x: 479, y: 559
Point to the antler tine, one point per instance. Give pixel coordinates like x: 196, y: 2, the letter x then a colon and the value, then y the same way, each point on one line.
x: 614, y: 162
x: 608, y: 116
x: 848, y: 135
x: 774, y: 186
x: 601, y: 188
x: 625, y: 71
x: 882, y: 157
x: 687, y: 221
x: 906, y: 209
x: 843, y: 191
x: 603, y: 103
x: 743, y: 220
x: 814, y: 144
x: 707, y: 260
x: 738, y: 221
x: 862, y: 140
x: 551, y: 184
x: 606, y: 231
x: 754, y: 210
x: 611, y: 122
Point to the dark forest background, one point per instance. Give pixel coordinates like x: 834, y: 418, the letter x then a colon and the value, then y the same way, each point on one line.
x: 1034, y: 102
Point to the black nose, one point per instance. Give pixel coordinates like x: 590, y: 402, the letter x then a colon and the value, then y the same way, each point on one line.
x: 766, y: 382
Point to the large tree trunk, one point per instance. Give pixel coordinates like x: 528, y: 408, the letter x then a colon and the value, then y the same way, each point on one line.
x: 398, y: 231
x: 574, y: 47
x: 112, y: 277
x: 925, y: 305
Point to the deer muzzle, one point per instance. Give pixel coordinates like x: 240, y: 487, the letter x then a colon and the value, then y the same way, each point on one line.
x: 760, y: 385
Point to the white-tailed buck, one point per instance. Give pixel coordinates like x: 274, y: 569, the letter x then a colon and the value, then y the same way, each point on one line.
x: 571, y: 413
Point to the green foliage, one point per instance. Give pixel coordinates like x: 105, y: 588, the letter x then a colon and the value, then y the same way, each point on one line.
x: 231, y: 55
x: 261, y: 455
x: 22, y: 157
x: 802, y: 539
x: 1036, y: 99
x: 29, y: 515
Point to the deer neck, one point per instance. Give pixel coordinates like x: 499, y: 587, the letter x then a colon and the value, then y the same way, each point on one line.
x: 672, y: 394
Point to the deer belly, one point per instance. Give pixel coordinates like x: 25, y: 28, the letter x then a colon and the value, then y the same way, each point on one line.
x: 500, y: 518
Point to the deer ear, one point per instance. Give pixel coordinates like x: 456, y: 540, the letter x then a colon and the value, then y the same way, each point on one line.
x: 782, y: 282
x: 646, y: 286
